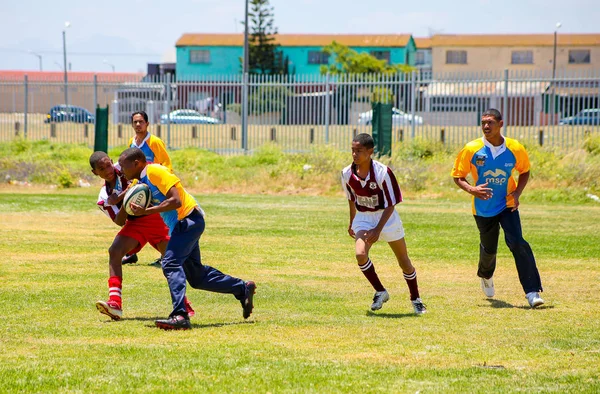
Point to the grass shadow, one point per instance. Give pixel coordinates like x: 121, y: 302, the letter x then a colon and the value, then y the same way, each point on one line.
x: 494, y: 303
x: 196, y: 325
x: 390, y: 315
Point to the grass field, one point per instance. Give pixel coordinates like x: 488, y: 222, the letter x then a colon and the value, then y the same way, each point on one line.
x: 311, y: 330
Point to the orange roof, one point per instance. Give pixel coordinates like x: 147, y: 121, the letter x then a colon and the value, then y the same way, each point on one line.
x: 514, y: 40
x: 291, y: 40
x: 58, y: 76
x: 423, y: 42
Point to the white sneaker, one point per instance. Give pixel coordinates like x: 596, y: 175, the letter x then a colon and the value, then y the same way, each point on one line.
x: 534, y: 299
x: 487, y: 285
x: 378, y: 299
x: 418, y: 306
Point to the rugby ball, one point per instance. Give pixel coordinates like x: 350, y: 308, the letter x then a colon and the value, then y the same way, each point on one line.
x: 139, y: 194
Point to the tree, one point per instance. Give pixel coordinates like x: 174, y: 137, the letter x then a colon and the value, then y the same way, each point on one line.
x: 264, y: 55
x: 362, y: 66
x: 348, y: 61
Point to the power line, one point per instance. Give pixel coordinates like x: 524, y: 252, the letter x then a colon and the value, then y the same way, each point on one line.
x: 82, y: 53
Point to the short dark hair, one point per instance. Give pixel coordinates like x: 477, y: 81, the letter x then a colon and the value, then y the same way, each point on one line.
x: 132, y: 154
x: 96, y: 157
x: 143, y: 113
x: 365, y: 140
x: 494, y: 113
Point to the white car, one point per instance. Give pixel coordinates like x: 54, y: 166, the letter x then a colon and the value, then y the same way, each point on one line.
x: 399, y: 118
x: 187, y: 116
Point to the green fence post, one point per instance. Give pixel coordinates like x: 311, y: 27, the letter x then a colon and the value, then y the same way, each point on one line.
x: 101, y: 130
x: 382, y: 128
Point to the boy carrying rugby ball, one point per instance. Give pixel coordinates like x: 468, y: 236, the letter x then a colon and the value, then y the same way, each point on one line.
x: 134, y: 234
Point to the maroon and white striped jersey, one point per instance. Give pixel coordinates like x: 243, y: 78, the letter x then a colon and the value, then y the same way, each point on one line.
x: 112, y: 210
x: 377, y: 191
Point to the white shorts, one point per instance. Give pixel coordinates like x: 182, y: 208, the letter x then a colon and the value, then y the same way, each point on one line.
x: 392, y: 231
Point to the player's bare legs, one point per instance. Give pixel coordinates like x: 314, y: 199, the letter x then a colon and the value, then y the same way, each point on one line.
x: 113, y: 307
x: 410, y: 273
x: 119, y: 248
x: 362, y: 248
x: 368, y: 269
x: 399, y: 249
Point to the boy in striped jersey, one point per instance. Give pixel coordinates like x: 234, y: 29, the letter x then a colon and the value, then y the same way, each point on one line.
x: 134, y: 234
x: 373, y: 192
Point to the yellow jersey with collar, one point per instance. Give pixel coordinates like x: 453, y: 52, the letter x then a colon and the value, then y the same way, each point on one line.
x: 154, y: 149
x: 160, y: 180
x: 496, y: 168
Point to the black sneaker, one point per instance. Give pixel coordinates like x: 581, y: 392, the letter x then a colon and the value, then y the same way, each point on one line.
x: 418, y: 306
x: 129, y: 259
x: 157, y: 262
x: 176, y: 322
x: 247, y: 304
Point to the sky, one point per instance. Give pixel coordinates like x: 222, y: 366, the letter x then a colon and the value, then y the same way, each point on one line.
x: 128, y: 34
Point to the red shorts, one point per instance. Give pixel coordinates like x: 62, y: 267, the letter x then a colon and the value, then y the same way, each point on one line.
x: 145, y: 229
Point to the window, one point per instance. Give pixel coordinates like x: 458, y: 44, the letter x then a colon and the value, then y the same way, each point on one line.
x: 579, y: 56
x: 522, y: 57
x: 456, y: 57
x: 200, y: 56
x: 419, y: 58
x: 318, y: 57
x: 381, y: 55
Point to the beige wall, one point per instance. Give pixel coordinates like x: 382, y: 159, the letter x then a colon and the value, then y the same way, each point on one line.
x: 497, y: 58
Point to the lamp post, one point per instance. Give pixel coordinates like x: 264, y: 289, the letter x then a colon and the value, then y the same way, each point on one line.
x: 553, y: 108
x: 110, y: 64
x: 38, y: 56
x: 64, y: 35
x: 245, y: 83
x: 558, y: 25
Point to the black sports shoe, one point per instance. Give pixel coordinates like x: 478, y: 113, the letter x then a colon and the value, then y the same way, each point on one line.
x: 157, y: 262
x: 176, y: 322
x: 247, y: 304
x: 129, y: 259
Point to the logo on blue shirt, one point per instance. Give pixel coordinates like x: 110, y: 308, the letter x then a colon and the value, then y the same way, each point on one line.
x: 496, y: 177
x: 480, y: 160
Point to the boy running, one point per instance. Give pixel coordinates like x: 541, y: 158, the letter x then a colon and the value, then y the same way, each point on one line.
x: 182, y: 259
x: 372, y: 192
x: 134, y: 234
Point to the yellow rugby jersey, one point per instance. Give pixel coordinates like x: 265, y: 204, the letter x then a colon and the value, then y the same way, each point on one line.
x: 496, y: 167
x: 160, y: 180
x: 154, y: 149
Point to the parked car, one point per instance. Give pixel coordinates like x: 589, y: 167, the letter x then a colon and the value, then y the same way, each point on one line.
x: 398, y: 118
x: 586, y: 117
x: 187, y: 116
x: 69, y: 113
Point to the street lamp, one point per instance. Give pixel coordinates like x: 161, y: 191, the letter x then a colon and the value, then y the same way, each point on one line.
x: 245, y: 84
x: 38, y: 56
x: 558, y: 25
x: 110, y: 64
x: 64, y: 34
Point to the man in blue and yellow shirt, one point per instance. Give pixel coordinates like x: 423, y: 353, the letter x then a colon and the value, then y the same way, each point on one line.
x: 153, y: 147
x: 492, y: 161
x: 185, y: 219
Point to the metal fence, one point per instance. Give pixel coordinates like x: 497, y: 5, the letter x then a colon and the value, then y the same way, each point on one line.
x: 298, y: 112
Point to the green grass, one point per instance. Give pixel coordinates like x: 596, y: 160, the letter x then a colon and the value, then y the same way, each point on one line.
x: 311, y: 330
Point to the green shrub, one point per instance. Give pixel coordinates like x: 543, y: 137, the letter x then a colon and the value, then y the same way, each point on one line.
x: 592, y: 144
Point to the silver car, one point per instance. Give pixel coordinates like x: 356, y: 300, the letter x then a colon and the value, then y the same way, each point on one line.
x: 399, y: 118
